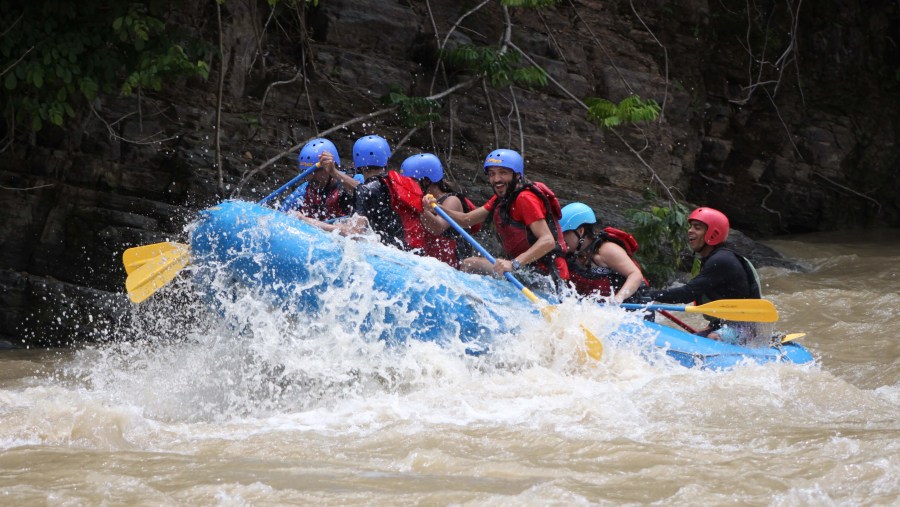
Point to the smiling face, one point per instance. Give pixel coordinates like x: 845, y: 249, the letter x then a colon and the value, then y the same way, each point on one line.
x: 502, y: 180
x: 696, y: 233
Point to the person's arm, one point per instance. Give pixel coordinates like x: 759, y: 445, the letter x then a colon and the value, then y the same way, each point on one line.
x: 687, y: 293
x: 326, y: 161
x: 346, y: 180
x: 351, y: 226
x: 616, y: 258
x: 465, y: 220
x: 433, y: 222
x: 711, y: 275
x: 543, y: 245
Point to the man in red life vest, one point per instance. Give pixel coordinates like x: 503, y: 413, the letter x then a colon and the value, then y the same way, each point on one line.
x: 526, y: 218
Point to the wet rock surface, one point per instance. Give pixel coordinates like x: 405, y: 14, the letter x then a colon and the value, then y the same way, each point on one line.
x: 816, y: 155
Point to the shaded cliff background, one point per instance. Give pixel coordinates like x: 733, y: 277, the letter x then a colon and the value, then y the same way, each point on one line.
x: 784, y: 116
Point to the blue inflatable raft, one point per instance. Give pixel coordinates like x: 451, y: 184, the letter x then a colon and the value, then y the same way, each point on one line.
x: 302, y: 269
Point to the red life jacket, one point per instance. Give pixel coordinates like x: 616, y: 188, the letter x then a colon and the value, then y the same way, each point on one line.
x: 448, y: 246
x: 406, y: 199
x: 516, y: 237
x: 603, y: 281
x: 323, y: 202
x: 593, y: 280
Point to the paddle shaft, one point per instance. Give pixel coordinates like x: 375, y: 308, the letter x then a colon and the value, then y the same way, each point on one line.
x: 287, y: 185
x: 684, y: 325
x: 670, y: 308
x: 592, y: 343
x: 468, y: 237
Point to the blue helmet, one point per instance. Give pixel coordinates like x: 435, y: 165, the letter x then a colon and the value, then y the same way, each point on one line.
x: 423, y: 165
x: 371, y: 151
x: 510, y: 159
x: 576, y: 214
x: 309, y: 155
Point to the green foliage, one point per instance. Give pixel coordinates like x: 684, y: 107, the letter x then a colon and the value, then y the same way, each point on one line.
x: 58, y: 54
x: 500, y: 68
x: 252, y: 120
x: 662, y: 234
x: 632, y: 109
x: 414, y: 111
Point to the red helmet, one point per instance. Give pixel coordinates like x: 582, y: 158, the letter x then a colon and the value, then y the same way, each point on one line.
x: 716, y: 224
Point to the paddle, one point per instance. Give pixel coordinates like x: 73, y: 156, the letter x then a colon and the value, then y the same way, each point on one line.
x: 684, y: 325
x: 747, y: 310
x: 136, y: 257
x: 791, y: 337
x: 295, y: 179
x: 153, y: 273
x: 594, y: 346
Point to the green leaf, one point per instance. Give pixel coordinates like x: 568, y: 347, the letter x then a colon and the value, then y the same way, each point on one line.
x: 80, y: 48
x: 88, y: 87
x: 630, y: 110
x: 38, y: 77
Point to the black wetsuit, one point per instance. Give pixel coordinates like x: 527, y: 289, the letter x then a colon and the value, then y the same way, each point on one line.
x: 373, y: 201
x: 723, y: 275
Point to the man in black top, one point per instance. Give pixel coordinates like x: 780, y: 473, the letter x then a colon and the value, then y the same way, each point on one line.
x: 723, y: 275
x: 373, y: 201
x: 378, y: 203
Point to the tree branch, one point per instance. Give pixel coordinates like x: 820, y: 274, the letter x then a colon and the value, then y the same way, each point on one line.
x: 13, y: 64
x: 763, y: 203
x: 848, y: 189
x: 602, y: 48
x: 222, y: 68
x: 654, y: 176
x: 662, y: 110
x: 151, y: 139
x: 26, y: 188
x: 347, y: 123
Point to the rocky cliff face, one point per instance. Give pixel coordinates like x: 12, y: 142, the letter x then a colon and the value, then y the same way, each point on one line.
x: 783, y: 117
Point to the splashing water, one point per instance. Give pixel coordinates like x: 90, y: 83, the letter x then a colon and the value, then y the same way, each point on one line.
x: 228, y: 396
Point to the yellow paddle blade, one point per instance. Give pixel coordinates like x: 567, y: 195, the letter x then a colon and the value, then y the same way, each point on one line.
x: 154, y: 274
x: 747, y: 310
x: 136, y: 257
x: 792, y: 336
x: 592, y: 343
